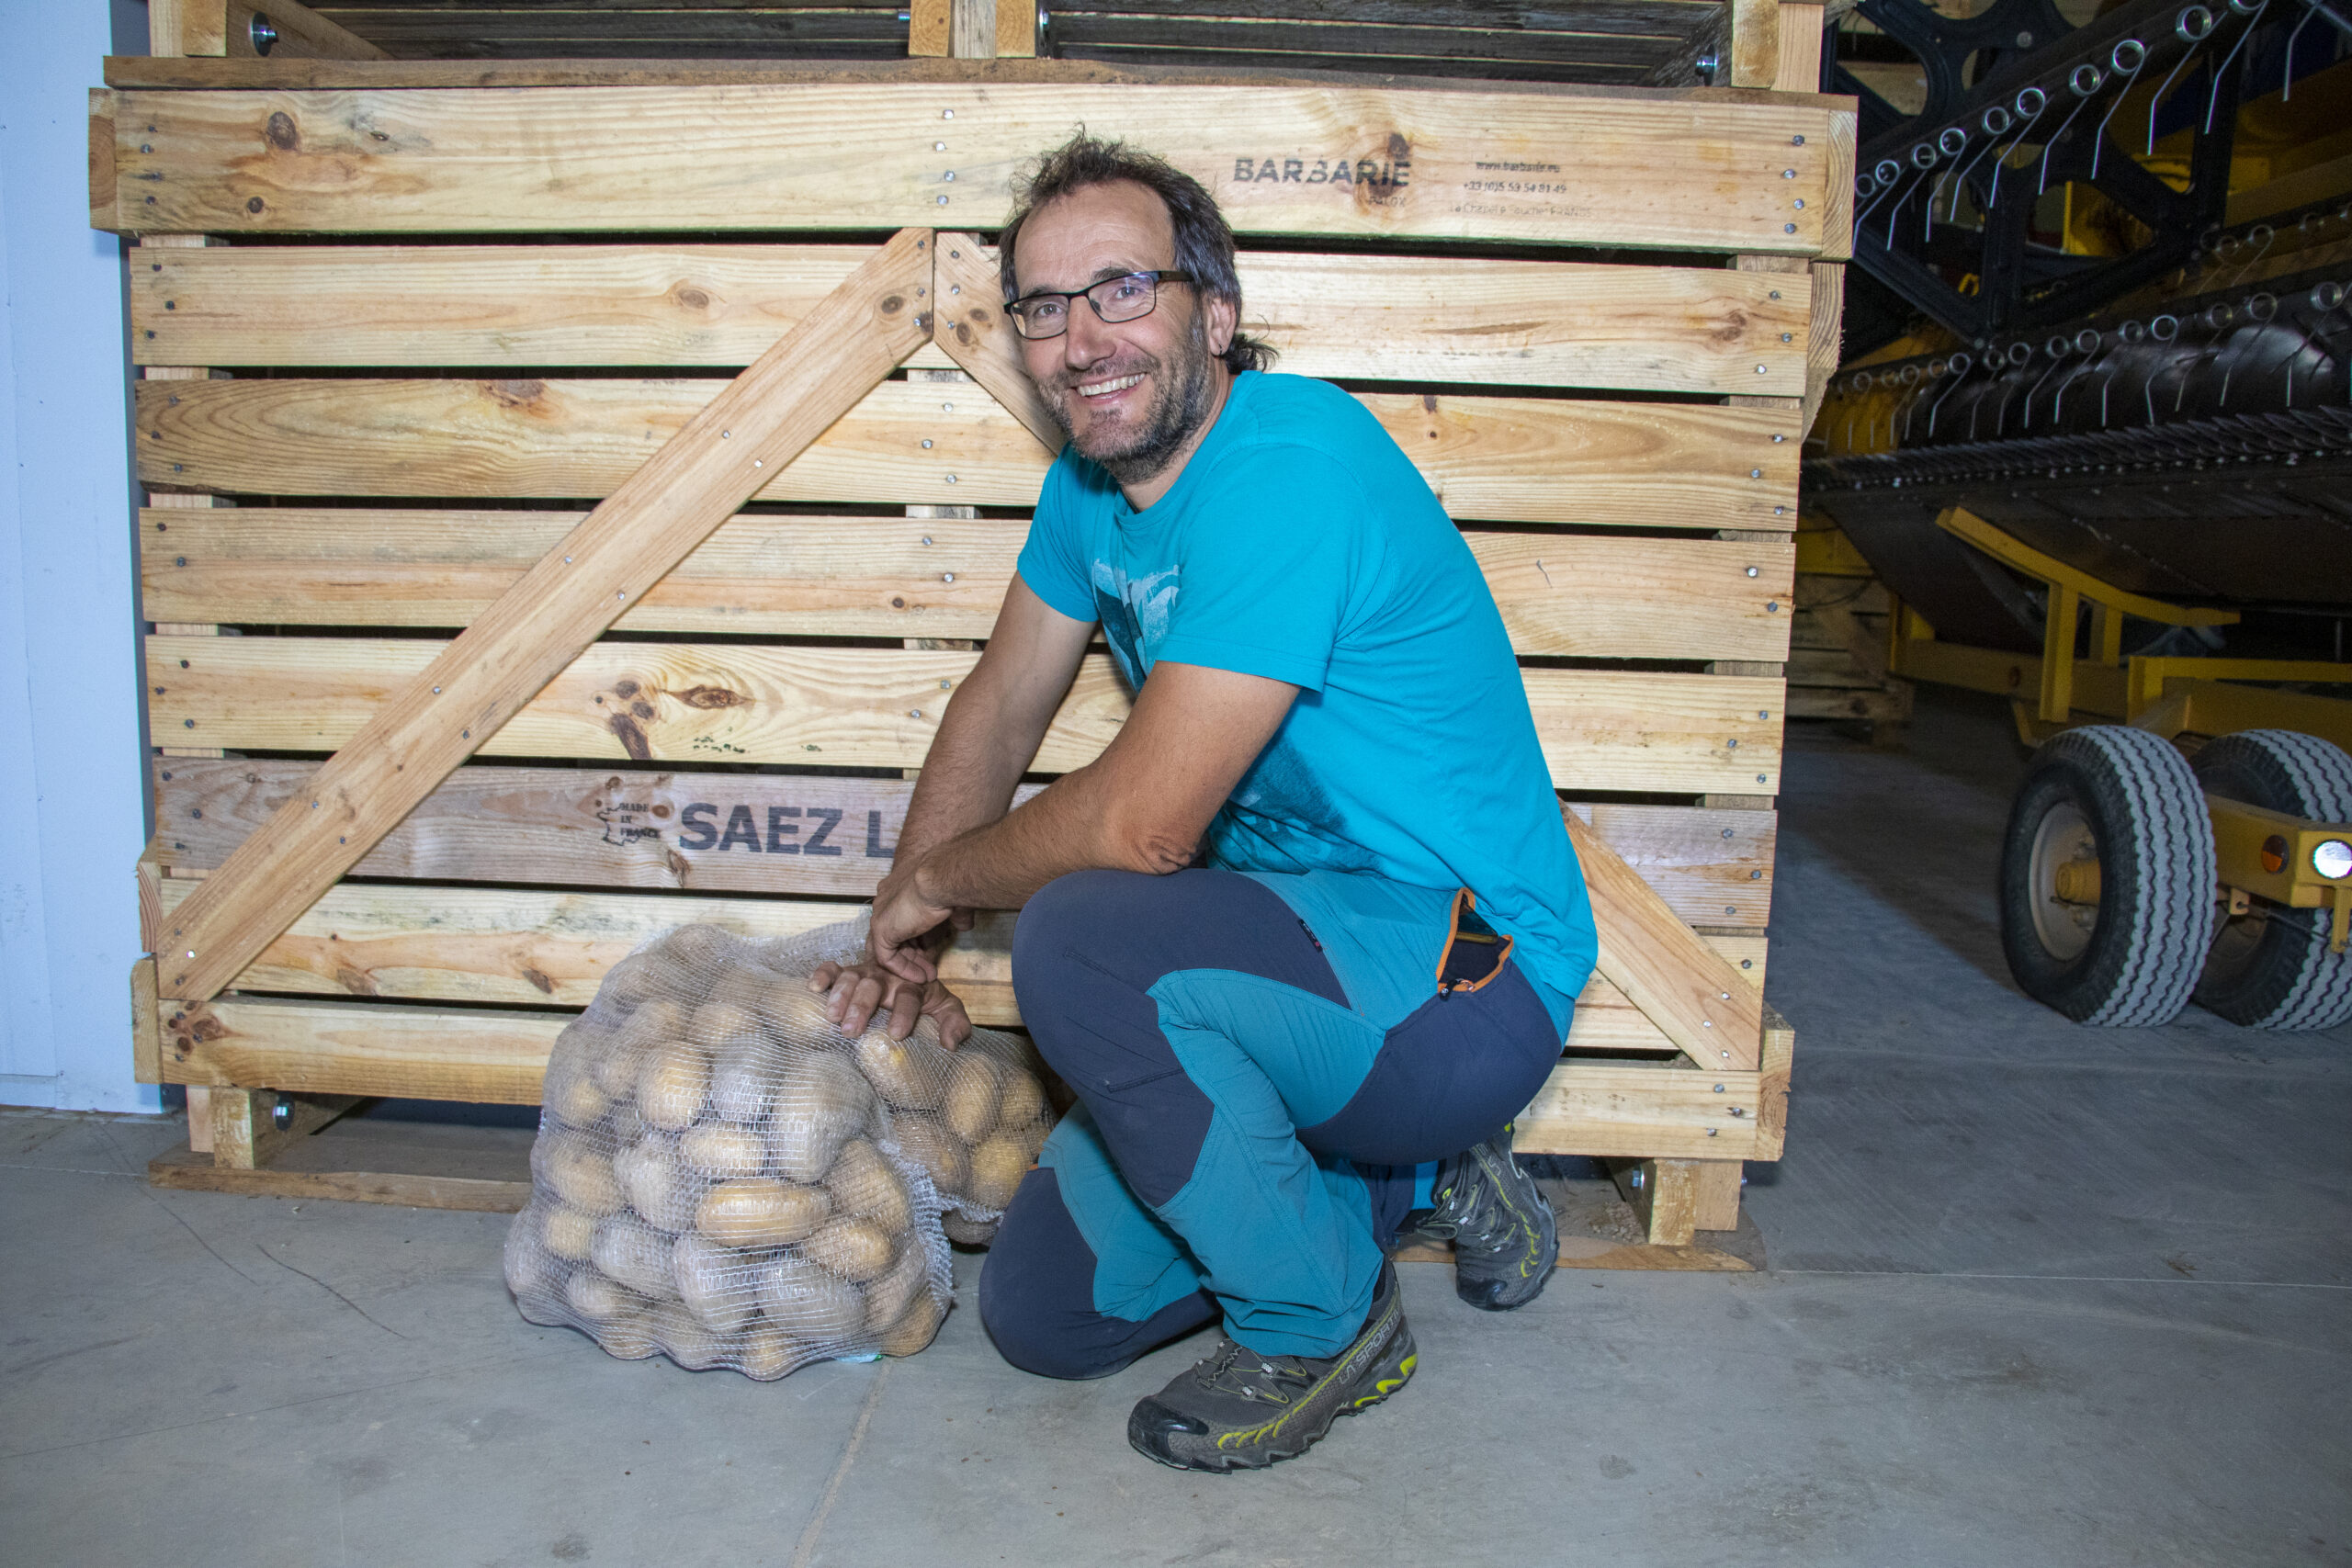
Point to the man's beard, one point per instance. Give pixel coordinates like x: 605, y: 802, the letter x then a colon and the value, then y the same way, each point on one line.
x: 1133, y: 454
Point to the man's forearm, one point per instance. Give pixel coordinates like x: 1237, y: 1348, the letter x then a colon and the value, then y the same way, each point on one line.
x: 967, y: 782
x: 1073, y: 826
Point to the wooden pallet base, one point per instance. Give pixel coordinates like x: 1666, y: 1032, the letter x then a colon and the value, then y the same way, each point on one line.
x: 487, y: 1170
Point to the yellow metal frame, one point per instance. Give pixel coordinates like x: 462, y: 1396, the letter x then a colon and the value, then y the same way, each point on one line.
x: 2166, y: 695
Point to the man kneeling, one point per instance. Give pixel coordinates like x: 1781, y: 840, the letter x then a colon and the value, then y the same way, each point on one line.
x: 1306, y: 936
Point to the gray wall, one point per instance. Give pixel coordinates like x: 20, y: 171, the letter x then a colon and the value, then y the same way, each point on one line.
x: 72, y: 803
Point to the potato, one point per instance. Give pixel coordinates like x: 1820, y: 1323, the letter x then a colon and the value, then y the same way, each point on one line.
x: 722, y: 1021
x: 719, y: 1285
x: 974, y: 1089
x: 863, y: 1184
x: 634, y: 1255
x: 761, y: 1212
x: 724, y: 1149
x: 567, y: 1232
x: 910, y: 1073
x: 576, y: 1099
x: 886, y: 1298
x: 581, y: 1177
x: 598, y: 1298
x: 701, y: 948
x: 823, y: 1104
x: 767, y: 1352
x: 1025, y: 1098
x: 917, y: 1327
x: 687, y: 1341
x: 630, y: 983
x: 745, y: 1077
x: 534, y: 1275
x: 657, y: 1183
x: 674, y: 1085
x: 628, y: 1336
x: 965, y: 1231
x: 822, y: 1311
x: 615, y: 1070
x: 856, y: 1249
x: 997, y: 1166
x: 926, y: 1141
x: 795, y: 1015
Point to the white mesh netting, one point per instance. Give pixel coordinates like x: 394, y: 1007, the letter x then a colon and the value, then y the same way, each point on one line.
x: 723, y: 1176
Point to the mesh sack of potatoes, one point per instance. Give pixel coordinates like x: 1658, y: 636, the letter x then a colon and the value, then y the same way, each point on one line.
x: 723, y: 1176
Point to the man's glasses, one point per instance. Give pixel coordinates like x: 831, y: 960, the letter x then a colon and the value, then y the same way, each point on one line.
x: 1046, y: 313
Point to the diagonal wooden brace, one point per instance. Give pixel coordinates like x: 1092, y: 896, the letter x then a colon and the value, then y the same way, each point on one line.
x: 836, y: 354
x: 979, y: 335
x: 1691, y: 992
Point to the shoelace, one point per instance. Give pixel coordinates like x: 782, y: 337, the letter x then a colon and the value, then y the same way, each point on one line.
x: 1225, y: 1370
x: 1487, y: 1221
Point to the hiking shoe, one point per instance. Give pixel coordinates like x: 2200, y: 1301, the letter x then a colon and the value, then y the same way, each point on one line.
x: 1238, y: 1410
x: 1505, y: 1241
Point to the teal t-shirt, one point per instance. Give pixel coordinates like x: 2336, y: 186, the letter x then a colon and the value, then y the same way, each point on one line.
x: 1299, y: 543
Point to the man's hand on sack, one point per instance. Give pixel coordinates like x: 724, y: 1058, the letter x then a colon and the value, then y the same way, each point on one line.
x: 901, y: 973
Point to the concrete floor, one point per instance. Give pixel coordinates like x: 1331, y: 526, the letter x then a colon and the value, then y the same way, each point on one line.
x: 2039, y: 1294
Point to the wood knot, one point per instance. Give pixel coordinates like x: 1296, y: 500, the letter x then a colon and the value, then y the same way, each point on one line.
x: 539, y: 980
x: 281, y: 132
x: 893, y: 303
x: 641, y: 709
x: 694, y: 299
x: 632, y: 736
x: 515, y: 394
x: 963, y: 335
x: 1734, y: 328
x: 254, y: 205
x: 625, y: 688
x: 707, y: 698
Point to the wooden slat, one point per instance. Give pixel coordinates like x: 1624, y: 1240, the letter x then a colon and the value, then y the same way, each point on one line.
x: 1679, y: 983
x: 1570, y: 596
x: 623, y: 830
x: 1362, y: 318
x: 1503, y: 459
x: 484, y: 944
x: 450, y: 709
x: 498, y: 945
x: 500, y: 1056
x: 185, y: 1170
x: 1625, y: 168
x: 1602, y: 730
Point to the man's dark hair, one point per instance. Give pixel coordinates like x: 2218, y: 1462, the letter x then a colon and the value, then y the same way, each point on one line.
x: 1203, y: 243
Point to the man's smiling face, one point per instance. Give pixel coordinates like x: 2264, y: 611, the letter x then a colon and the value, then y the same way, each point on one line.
x: 1132, y: 395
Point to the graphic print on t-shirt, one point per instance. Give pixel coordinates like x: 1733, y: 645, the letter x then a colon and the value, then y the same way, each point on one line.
x: 1134, y: 612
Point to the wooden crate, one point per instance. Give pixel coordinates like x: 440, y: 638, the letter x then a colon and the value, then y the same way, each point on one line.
x: 398, y: 338
x: 1837, y: 654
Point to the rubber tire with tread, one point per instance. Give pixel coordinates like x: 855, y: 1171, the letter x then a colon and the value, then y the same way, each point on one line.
x: 2156, y: 854
x: 2284, y: 978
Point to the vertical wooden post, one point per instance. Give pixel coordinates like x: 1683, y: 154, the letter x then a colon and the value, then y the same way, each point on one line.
x: 972, y: 30
x: 164, y: 21
x: 1674, y: 1198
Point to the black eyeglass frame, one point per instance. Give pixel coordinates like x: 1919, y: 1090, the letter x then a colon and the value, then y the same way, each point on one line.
x: 1157, y: 277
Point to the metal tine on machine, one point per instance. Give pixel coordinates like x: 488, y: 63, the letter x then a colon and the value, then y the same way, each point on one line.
x: 1960, y: 363
x: 2192, y: 27
x: 2252, y: 13
x: 2084, y: 82
x: 2130, y: 48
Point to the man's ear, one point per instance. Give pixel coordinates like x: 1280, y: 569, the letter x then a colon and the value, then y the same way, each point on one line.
x: 1222, y: 317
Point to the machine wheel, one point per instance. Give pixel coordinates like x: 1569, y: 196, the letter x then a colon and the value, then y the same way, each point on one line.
x: 2107, y: 877
x: 2271, y: 968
